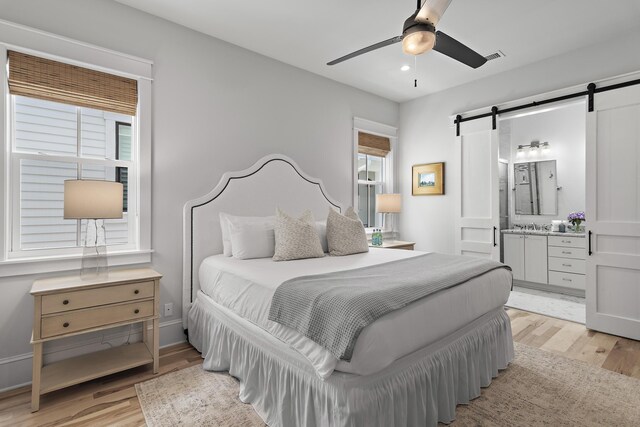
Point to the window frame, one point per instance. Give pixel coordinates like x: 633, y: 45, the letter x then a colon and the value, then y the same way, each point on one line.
x: 77, y: 53
x: 389, y: 169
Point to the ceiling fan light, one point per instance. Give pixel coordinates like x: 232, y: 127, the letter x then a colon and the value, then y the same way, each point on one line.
x: 418, y: 42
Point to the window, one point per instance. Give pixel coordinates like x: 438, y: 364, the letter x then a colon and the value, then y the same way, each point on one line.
x: 371, y: 179
x: 374, y: 153
x: 67, y: 122
x: 53, y: 142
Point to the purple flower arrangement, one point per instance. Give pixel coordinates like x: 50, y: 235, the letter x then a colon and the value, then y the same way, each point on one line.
x: 576, y: 219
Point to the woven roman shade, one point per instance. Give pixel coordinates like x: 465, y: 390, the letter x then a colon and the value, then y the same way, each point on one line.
x: 373, y: 145
x: 42, y: 78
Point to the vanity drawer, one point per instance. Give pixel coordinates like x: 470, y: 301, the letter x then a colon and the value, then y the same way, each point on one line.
x: 575, y: 253
x: 568, y: 241
x: 567, y: 265
x: 74, y: 321
x: 568, y: 280
x: 66, y: 301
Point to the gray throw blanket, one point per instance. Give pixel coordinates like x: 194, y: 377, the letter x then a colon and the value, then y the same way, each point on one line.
x: 333, y: 308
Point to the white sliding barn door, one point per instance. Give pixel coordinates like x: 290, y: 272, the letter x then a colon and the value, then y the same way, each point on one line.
x: 478, y: 221
x: 613, y: 213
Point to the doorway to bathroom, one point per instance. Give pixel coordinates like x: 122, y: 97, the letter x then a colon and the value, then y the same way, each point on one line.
x: 542, y: 183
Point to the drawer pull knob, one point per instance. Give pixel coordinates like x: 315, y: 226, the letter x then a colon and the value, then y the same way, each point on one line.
x: 566, y: 280
x: 65, y: 302
x: 65, y: 325
x: 566, y: 252
x: 566, y: 241
x: 566, y: 265
x: 136, y: 292
x: 136, y: 311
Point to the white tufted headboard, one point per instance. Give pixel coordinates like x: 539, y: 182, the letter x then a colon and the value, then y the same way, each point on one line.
x: 273, y: 181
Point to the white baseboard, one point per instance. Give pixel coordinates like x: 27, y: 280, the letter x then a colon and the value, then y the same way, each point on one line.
x: 15, y: 371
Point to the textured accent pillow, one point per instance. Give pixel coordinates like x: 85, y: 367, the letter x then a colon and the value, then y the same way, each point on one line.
x: 345, y: 233
x: 296, y: 238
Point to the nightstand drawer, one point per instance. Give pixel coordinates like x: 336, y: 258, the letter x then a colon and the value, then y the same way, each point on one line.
x: 567, y: 265
x: 67, y: 301
x: 74, y: 321
x: 575, y: 253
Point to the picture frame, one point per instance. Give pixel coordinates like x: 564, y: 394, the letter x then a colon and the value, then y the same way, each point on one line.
x: 428, y: 179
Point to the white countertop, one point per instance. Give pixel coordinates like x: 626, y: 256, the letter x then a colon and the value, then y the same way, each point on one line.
x: 543, y: 232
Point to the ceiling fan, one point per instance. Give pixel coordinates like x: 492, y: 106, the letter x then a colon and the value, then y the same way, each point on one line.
x: 419, y: 35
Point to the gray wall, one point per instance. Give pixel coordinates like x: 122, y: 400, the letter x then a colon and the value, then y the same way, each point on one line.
x: 426, y: 133
x: 216, y: 107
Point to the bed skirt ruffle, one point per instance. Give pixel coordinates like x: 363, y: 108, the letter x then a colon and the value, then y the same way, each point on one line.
x: 422, y: 388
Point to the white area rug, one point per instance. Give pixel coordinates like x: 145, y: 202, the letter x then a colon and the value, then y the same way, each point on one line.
x: 548, y: 303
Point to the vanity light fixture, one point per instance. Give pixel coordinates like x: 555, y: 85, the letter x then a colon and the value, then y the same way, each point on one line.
x: 534, y: 146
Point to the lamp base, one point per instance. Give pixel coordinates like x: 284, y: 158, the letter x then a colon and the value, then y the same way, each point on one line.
x: 94, y: 262
x: 389, y: 225
x: 94, y: 251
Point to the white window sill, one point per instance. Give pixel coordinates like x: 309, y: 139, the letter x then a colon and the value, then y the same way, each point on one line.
x: 50, y: 264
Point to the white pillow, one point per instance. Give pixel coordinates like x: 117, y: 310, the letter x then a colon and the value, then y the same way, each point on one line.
x: 227, y: 221
x: 296, y: 238
x: 321, y: 226
x: 252, y: 240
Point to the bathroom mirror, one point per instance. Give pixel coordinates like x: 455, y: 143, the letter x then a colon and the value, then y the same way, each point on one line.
x: 535, y: 188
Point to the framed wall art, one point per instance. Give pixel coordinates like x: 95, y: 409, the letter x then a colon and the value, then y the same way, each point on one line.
x: 428, y: 179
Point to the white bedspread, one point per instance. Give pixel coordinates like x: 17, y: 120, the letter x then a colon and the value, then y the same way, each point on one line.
x: 246, y: 288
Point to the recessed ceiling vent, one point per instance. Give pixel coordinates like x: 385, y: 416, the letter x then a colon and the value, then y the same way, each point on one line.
x: 494, y: 55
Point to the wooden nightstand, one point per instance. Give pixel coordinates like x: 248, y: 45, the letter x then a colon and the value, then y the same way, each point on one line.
x: 67, y: 306
x: 395, y: 244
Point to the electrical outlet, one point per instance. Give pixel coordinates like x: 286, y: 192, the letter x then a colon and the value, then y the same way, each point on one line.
x: 168, y: 309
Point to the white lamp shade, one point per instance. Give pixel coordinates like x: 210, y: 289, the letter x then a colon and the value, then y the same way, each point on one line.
x: 89, y: 199
x: 388, y: 203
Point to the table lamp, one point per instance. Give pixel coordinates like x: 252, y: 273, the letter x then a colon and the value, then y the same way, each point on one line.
x: 388, y: 204
x: 94, y: 201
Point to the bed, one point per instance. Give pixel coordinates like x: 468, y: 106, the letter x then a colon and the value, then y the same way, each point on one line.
x: 409, y: 367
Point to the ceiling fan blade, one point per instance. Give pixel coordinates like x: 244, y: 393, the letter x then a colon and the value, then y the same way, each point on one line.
x: 387, y: 42
x: 431, y: 11
x: 454, y: 49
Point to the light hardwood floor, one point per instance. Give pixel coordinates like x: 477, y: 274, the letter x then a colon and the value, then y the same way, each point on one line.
x: 112, y: 400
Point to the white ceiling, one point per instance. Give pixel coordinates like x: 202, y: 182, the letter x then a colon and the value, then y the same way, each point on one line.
x: 308, y: 34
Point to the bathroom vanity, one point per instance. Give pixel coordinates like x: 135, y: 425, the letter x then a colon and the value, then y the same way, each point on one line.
x: 546, y: 260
